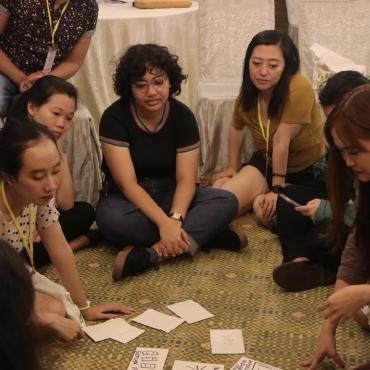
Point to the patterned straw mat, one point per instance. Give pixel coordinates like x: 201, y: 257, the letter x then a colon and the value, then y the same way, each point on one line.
x: 278, y: 328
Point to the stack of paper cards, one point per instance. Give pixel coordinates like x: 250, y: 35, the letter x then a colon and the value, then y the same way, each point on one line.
x: 116, y: 329
x: 158, y: 320
x: 190, y: 311
x: 186, y: 365
x: 148, y: 358
x: 227, y: 341
x: 246, y: 363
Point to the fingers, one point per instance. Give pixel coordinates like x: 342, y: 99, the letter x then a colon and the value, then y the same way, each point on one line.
x: 336, y: 358
x: 309, y: 364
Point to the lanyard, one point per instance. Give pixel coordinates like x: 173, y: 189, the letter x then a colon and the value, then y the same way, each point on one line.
x: 265, y: 134
x: 27, y: 243
x: 54, y: 30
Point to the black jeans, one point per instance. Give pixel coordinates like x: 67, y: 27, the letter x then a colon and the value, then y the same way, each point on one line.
x: 74, y: 222
x: 298, y: 235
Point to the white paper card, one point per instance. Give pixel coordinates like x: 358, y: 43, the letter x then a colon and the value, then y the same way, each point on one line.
x: 148, y: 358
x: 246, y: 363
x: 158, y: 320
x: 227, y: 341
x: 186, y: 365
x: 116, y: 329
x: 190, y: 311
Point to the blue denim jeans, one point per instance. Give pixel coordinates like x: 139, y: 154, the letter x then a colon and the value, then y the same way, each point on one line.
x: 7, y: 90
x: 122, y: 223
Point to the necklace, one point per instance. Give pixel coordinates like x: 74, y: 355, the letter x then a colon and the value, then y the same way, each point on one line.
x: 27, y: 242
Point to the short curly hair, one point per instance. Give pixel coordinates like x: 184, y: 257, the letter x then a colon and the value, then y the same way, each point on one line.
x: 138, y: 59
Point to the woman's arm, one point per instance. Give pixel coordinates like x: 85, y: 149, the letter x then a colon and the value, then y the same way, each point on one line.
x: 6, y: 65
x: 73, y: 61
x: 281, y: 140
x: 65, y: 195
x: 326, y: 346
x: 235, y: 141
x: 186, y: 173
x: 63, y: 260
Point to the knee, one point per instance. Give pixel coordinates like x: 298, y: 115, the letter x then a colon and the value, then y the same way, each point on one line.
x: 362, y: 319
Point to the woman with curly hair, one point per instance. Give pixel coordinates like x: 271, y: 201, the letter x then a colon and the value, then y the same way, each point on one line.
x: 151, y: 206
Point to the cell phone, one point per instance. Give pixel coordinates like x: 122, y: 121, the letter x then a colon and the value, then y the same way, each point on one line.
x: 289, y: 200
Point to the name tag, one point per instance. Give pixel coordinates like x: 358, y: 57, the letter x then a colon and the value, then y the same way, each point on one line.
x: 48, y: 66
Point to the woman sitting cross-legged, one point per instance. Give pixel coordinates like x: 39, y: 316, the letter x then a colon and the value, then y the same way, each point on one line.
x: 30, y: 165
x: 278, y: 106
x: 52, y: 102
x: 152, y: 209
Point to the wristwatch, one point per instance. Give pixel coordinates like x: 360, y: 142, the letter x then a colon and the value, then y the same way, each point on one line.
x: 176, y: 216
x: 277, y: 189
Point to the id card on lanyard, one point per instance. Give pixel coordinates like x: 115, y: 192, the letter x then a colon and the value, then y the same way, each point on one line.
x: 53, y: 49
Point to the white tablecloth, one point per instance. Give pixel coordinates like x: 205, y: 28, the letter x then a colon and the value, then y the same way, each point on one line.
x: 119, y: 27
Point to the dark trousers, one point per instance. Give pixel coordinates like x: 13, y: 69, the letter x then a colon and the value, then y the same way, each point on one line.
x: 122, y: 223
x: 298, y: 235
x: 74, y: 222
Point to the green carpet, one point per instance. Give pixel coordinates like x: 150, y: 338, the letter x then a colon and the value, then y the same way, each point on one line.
x: 278, y: 328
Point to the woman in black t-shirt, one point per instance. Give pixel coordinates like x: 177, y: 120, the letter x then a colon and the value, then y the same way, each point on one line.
x: 152, y: 209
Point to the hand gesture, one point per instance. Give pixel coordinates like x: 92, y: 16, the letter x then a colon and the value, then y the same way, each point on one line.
x: 325, y: 347
x: 310, y: 208
x: 65, y: 329
x: 174, y: 240
x: 344, y: 303
x: 268, y: 205
x: 105, y: 311
x: 229, y: 172
x: 30, y: 80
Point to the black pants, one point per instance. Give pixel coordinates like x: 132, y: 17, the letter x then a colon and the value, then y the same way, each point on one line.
x: 74, y: 222
x: 298, y: 235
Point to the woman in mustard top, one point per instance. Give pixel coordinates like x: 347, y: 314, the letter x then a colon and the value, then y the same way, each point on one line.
x: 279, y: 108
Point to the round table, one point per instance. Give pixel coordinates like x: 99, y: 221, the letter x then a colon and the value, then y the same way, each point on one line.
x: 120, y: 26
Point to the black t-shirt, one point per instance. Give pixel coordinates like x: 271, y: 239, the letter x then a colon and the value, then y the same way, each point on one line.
x: 153, y: 153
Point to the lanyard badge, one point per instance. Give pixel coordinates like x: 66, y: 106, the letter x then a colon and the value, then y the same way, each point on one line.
x: 27, y: 242
x: 265, y: 134
x: 52, y: 52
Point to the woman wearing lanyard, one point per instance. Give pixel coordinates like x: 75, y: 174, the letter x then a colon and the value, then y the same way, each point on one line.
x: 41, y: 37
x: 278, y: 106
x: 30, y: 165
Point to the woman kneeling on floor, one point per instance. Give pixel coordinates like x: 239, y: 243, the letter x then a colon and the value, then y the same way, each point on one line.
x: 348, y: 134
x: 30, y: 165
x: 151, y: 207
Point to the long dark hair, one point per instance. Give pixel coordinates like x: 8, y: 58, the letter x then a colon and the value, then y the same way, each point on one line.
x: 138, y: 59
x: 17, y: 339
x: 15, y: 138
x: 351, y: 122
x: 40, y: 93
x: 248, y: 92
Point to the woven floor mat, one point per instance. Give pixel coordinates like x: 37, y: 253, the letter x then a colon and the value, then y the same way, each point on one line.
x: 278, y: 328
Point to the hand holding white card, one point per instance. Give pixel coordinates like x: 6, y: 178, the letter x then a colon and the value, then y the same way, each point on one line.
x: 158, y: 320
x: 148, y: 358
x: 246, y: 363
x: 227, y: 341
x: 187, y: 365
x: 190, y: 311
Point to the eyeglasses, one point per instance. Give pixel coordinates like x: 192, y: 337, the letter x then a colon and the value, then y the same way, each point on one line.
x: 157, y: 83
